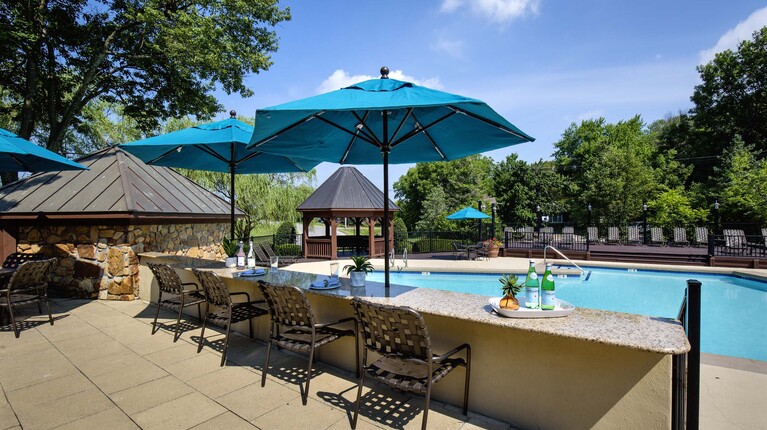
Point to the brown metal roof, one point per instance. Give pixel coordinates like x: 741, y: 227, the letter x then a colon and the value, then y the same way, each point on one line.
x: 347, y: 188
x: 117, y: 185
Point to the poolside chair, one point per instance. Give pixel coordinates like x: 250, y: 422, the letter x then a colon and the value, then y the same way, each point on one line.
x: 633, y: 235
x: 656, y: 236
x: 28, y: 284
x: 701, y: 236
x: 764, y: 237
x: 592, y: 233
x: 177, y: 294
x: 222, y: 310
x: 399, y: 336
x: 284, y: 260
x: 459, y: 250
x: 481, y: 251
x: 294, y: 327
x: 528, y: 234
x: 613, y: 235
x: 261, y: 258
x: 680, y: 237
x: 735, y: 241
x: 567, y: 237
x: 545, y: 236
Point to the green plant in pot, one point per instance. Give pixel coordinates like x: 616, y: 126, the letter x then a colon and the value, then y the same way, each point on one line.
x: 511, y: 286
x: 230, y: 249
x: 358, y: 270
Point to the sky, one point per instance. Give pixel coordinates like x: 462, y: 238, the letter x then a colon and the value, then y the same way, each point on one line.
x: 542, y: 64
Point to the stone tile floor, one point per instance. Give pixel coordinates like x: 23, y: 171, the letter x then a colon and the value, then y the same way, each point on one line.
x: 98, y: 367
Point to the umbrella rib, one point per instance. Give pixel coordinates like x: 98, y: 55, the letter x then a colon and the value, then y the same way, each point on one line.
x: 351, y: 142
x: 208, y: 150
x: 163, y: 155
x: 421, y: 128
x: 329, y: 122
x: 288, y: 128
x: 367, y: 131
x: 487, y: 121
x: 402, y: 123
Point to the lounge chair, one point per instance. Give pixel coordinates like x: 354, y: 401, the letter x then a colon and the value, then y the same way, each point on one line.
x: 528, y: 234
x: 701, y: 236
x: 284, y: 260
x: 656, y: 236
x: 735, y: 242
x: 613, y: 235
x: 633, y: 235
x: 545, y: 236
x: 592, y: 233
x: 764, y: 237
x: 680, y: 237
x: 261, y: 258
x: 567, y: 237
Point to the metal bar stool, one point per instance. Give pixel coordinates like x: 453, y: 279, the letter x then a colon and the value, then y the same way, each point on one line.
x: 176, y: 295
x: 28, y: 284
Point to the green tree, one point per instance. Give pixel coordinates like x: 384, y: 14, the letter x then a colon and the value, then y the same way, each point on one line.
x: 434, y: 211
x: 673, y: 208
x: 743, y: 185
x: 463, y: 181
x: 159, y: 59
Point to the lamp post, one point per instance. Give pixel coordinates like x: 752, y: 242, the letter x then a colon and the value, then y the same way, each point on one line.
x: 589, y: 221
x: 644, y: 222
x: 538, y: 218
x: 492, y: 212
x: 479, y: 228
x: 716, y: 216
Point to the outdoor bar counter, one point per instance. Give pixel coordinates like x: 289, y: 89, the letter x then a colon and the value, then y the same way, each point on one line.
x: 591, y: 369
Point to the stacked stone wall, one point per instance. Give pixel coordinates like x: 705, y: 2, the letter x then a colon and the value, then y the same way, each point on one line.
x: 102, y: 262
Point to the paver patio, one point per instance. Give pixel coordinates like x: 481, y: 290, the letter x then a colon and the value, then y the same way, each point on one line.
x: 99, y: 367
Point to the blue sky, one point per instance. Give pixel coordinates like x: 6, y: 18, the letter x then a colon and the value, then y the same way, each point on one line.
x: 542, y: 64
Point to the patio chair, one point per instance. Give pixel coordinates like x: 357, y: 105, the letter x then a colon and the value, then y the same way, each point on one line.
x: 545, y: 235
x: 633, y: 235
x: 399, y: 335
x: 28, y: 284
x: 735, y: 241
x: 225, y: 312
x: 284, y: 260
x: 680, y: 237
x: 261, y: 258
x: 764, y: 237
x: 613, y: 235
x: 528, y: 234
x: 289, y: 310
x: 18, y: 258
x: 177, y: 295
x: 481, y: 250
x: 656, y: 236
x: 567, y: 237
x: 592, y: 233
x: 701, y: 236
x: 459, y: 250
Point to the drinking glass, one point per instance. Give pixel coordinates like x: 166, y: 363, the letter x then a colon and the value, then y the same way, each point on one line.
x: 333, y: 270
x: 274, y: 261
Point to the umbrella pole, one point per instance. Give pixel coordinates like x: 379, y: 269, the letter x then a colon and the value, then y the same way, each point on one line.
x: 385, y: 148
x: 231, y: 192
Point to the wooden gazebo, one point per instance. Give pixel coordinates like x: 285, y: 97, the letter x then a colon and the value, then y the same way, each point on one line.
x: 346, y: 194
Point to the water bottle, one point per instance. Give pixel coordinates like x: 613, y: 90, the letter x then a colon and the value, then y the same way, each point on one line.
x: 531, y: 287
x: 241, y: 256
x: 251, y: 256
x: 547, y: 290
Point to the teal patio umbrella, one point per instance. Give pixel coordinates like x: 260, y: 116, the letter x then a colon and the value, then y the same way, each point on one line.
x: 467, y: 213
x: 20, y: 155
x: 382, y: 121
x: 219, y: 146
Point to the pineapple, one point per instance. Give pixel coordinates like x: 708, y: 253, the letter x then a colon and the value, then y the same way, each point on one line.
x: 511, y: 287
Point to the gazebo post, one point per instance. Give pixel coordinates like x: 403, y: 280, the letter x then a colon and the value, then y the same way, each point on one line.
x: 357, y: 222
x: 333, y: 238
x: 327, y: 226
x: 390, y: 223
x: 305, y: 228
x: 371, y: 236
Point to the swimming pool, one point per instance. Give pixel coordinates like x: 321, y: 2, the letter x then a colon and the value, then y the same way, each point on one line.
x: 734, y: 309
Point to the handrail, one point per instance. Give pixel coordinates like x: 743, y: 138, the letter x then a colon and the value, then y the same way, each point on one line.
x: 561, y: 255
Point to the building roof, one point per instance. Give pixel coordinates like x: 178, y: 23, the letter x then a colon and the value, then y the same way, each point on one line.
x: 346, y: 189
x: 118, y: 185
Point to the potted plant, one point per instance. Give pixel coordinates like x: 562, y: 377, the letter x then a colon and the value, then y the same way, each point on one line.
x: 492, y: 247
x: 511, y: 286
x: 230, y: 249
x: 358, y: 270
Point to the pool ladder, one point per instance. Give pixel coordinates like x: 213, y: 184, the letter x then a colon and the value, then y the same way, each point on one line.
x: 561, y: 255
x: 392, y: 259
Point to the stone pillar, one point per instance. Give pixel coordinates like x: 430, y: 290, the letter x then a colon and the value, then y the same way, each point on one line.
x: 305, y: 228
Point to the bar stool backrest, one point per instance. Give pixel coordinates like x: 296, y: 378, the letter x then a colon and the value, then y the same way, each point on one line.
x: 393, y: 330
x: 167, y: 278
x: 287, y: 305
x: 216, y: 292
x: 31, y: 274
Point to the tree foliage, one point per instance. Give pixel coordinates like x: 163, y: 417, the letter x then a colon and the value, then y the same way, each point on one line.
x: 743, y: 185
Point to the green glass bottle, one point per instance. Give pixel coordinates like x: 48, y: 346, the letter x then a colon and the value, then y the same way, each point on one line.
x: 531, y: 287
x: 547, y: 290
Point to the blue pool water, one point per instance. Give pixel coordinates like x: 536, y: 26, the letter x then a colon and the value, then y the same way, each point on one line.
x: 734, y: 309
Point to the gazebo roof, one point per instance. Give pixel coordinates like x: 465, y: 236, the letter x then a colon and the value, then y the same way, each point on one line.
x: 346, y: 189
x: 117, y: 186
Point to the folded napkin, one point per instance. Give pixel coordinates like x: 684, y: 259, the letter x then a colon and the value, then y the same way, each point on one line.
x: 320, y: 283
x: 253, y: 272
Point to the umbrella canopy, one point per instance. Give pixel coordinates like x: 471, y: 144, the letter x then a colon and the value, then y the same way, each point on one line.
x: 383, y: 121
x: 217, y: 147
x: 467, y: 213
x: 21, y: 155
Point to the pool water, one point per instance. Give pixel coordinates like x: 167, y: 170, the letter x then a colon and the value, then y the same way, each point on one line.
x: 733, y: 310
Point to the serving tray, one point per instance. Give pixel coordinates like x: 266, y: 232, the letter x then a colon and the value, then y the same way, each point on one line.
x: 562, y: 309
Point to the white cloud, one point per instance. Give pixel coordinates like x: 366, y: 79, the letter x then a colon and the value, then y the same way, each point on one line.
x: 734, y: 36
x: 592, y: 114
x: 500, y: 11
x: 453, y: 47
x: 341, y: 79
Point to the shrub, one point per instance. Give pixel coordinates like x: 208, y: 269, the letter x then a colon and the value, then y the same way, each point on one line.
x: 287, y: 249
x: 286, y: 234
x: 400, y: 234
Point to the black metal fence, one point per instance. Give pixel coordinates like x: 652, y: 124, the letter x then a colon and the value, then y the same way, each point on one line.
x: 685, y: 370
x: 422, y: 242
x: 283, y: 244
x: 527, y: 238
x: 736, y: 244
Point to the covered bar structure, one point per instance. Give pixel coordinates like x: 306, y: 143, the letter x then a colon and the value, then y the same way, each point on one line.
x: 346, y: 194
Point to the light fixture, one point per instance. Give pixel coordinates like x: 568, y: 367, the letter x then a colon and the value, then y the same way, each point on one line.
x: 589, y: 207
x: 644, y: 205
x: 716, y: 204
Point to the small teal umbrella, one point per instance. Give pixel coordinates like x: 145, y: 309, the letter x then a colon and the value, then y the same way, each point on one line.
x: 467, y: 213
x: 21, y: 155
x: 382, y: 121
x: 219, y: 146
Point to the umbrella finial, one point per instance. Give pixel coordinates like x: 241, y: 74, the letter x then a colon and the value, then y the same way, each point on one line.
x: 232, y: 113
x: 384, y: 72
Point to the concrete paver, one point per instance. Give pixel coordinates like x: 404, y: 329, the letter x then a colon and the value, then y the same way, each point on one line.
x: 182, y: 413
x: 148, y: 395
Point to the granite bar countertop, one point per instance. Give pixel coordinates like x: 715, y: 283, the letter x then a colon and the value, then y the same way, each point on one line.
x: 638, y: 332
